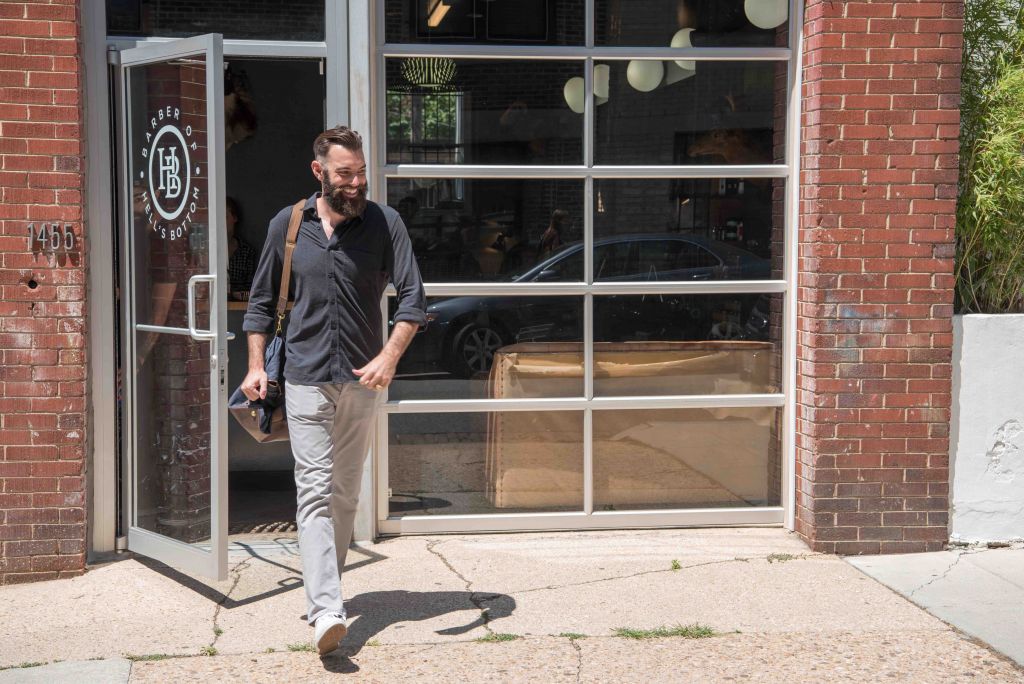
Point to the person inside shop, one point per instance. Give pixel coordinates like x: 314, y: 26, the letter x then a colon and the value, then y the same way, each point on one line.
x: 337, y: 362
x: 551, y: 239
x: 242, y: 257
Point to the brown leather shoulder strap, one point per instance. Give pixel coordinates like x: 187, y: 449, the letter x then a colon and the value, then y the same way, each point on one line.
x: 286, y: 269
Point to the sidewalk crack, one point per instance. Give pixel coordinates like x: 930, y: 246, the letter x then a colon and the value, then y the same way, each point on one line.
x: 959, y: 555
x: 579, y: 659
x: 635, y: 574
x: 476, y: 599
x: 236, y: 574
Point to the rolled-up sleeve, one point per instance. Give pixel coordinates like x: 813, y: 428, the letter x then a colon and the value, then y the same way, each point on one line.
x: 262, y: 309
x: 400, y: 263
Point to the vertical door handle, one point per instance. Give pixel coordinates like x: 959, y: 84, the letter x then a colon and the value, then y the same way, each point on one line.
x: 194, y: 332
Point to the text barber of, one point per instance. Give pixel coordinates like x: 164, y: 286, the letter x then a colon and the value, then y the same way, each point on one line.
x: 347, y: 251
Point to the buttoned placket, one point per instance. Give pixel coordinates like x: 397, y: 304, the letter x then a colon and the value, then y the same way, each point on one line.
x: 335, y: 315
x: 333, y: 247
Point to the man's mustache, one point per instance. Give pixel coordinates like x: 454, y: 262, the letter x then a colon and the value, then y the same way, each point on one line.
x: 360, y: 190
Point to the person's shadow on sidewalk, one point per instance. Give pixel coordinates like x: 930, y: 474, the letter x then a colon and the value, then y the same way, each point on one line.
x: 373, y: 612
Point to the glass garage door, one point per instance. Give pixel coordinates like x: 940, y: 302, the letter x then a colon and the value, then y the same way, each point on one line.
x: 598, y: 196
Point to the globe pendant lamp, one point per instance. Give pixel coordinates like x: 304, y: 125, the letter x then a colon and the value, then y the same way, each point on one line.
x: 682, y: 40
x: 573, y: 94
x: 645, y: 75
x: 601, y: 72
x: 766, y: 14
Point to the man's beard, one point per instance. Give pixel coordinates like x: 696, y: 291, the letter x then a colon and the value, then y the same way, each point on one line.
x: 339, y: 203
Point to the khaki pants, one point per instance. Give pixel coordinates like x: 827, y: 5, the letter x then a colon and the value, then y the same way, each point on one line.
x: 329, y: 427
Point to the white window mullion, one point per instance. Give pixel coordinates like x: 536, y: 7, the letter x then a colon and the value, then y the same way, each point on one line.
x: 570, y: 172
x: 564, y: 52
x: 700, y: 401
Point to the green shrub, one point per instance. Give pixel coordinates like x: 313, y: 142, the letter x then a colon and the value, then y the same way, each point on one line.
x: 990, y: 207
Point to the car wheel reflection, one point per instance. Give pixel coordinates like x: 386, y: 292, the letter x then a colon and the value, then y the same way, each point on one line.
x: 474, y: 349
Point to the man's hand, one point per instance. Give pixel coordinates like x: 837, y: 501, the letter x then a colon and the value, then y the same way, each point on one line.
x: 255, y: 384
x: 379, y: 373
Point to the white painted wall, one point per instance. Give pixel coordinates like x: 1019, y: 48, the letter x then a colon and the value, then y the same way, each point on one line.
x: 986, y: 446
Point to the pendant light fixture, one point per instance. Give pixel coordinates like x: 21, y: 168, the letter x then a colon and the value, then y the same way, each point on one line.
x: 766, y: 14
x: 645, y: 75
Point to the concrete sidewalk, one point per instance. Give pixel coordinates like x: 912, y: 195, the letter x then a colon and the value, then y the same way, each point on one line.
x: 527, y: 607
x: 979, y: 591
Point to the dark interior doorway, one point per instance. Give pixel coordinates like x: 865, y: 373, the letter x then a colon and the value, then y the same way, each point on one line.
x: 274, y: 108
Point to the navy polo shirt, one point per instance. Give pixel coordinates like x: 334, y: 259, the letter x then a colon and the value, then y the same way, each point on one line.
x: 337, y: 283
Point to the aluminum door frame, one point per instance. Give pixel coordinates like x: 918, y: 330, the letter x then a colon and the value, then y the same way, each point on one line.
x: 210, y: 559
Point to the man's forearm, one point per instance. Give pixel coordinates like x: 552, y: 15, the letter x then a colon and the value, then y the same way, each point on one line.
x: 257, y: 345
x: 398, y: 342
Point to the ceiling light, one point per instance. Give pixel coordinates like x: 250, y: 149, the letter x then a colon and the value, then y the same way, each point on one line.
x: 601, y: 81
x: 573, y: 94
x: 682, y: 40
x: 675, y: 73
x: 766, y: 14
x: 436, y: 9
x: 428, y: 72
x: 645, y: 75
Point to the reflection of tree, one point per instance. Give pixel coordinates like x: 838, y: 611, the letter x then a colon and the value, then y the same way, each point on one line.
x: 423, y: 126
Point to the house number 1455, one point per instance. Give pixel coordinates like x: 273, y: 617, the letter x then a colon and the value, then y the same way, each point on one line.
x: 51, y: 237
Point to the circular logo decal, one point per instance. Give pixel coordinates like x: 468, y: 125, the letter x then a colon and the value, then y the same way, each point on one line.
x: 170, y: 193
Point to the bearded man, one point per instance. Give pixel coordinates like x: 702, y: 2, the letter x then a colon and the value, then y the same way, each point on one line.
x: 347, y: 250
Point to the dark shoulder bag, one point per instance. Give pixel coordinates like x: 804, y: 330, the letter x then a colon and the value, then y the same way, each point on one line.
x: 265, y: 419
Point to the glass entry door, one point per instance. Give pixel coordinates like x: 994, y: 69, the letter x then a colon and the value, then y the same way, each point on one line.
x: 172, y: 185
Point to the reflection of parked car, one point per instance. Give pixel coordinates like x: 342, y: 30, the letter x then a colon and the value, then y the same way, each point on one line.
x: 662, y: 256
x: 464, y: 332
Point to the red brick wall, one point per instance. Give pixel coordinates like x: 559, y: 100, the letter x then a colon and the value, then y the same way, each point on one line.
x: 42, y: 296
x: 879, y: 171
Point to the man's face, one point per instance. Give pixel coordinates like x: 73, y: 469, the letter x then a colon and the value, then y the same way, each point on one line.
x: 342, y: 175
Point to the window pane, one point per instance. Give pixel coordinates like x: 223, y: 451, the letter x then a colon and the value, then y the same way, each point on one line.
x: 476, y: 463
x: 254, y: 19
x: 650, y: 345
x: 492, y: 230
x: 657, y: 113
x: 497, y: 22
x: 689, y: 229
x: 477, y: 347
x: 686, y: 458
x: 283, y: 119
x: 472, y: 111
x: 696, y: 23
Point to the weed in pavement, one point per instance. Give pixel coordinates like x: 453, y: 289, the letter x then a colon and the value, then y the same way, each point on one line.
x: 148, y: 657
x: 694, y: 631
x: 495, y: 637
x: 22, y: 665
x: 780, y: 557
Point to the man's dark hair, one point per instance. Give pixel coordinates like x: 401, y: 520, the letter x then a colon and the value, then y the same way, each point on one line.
x: 339, y: 135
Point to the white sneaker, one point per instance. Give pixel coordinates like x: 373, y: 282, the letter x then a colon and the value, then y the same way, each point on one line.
x: 329, y: 630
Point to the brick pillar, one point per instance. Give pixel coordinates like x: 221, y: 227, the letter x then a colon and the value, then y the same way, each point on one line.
x: 878, y: 197
x: 42, y: 295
